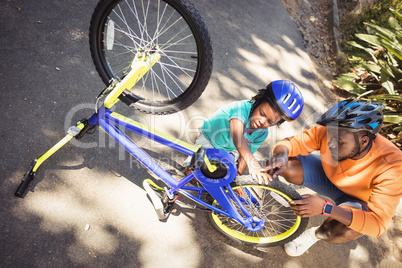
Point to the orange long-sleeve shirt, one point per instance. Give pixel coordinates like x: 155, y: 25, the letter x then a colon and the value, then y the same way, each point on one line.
x: 376, y: 178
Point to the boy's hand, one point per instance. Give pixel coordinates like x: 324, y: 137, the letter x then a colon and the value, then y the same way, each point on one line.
x: 262, y: 177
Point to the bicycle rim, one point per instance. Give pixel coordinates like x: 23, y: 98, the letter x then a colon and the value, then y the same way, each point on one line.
x: 268, y: 204
x: 174, y: 29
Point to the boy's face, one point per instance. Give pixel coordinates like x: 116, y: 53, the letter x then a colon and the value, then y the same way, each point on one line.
x: 264, y: 116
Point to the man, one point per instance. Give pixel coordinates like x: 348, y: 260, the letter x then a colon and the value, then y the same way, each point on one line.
x: 356, y: 168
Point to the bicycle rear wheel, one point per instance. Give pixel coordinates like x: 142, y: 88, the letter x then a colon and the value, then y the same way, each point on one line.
x: 120, y: 30
x: 267, y: 202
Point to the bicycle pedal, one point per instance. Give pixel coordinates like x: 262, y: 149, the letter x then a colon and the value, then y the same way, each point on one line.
x: 156, y: 201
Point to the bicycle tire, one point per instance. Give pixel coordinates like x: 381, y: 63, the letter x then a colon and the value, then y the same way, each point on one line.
x: 281, y: 224
x: 121, y: 29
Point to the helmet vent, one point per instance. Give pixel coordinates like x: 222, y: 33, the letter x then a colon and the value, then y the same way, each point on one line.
x: 350, y: 115
x: 286, y: 98
x: 291, y: 105
x: 365, y: 121
x: 297, y: 108
x: 368, y: 108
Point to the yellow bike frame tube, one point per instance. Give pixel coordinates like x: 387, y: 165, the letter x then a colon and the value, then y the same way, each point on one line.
x: 139, y: 68
x: 55, y: 148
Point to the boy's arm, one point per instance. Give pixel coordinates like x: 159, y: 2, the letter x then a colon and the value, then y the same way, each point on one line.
x: 241, y: 166
x: 236, y: 132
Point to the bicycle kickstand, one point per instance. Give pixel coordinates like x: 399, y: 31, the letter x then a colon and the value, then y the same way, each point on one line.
x: 74, y: 132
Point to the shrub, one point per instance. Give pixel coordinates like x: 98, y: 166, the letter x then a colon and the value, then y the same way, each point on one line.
x: 375, y: 69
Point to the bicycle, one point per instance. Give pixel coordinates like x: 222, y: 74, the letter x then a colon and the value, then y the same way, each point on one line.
x: 154, y: 81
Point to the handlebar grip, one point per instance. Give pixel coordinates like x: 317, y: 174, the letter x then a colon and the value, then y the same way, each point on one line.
x: 29, y: 176
x: 23, y: 185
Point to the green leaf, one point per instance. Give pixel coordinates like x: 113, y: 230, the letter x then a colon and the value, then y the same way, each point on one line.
x: 394, y: 97
x: 388, y: 86
x: 385, y: 69
x: 397, y: 129
x: 393, y: 23
x: 350, y: 86
x: 371, y: 67
x: 393, y: 119
x: 348, y: 76
x: 397, y: 72
x: 393, y: 48
x: 358, y: 55
x: 355, y: 44
x: 384, y: 33
x: 396, y: 13
x: 391, y: 59
x: 371, y: 39
x: 368, y: 54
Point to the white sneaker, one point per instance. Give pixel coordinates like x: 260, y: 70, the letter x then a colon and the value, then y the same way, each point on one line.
x: 301, y: 244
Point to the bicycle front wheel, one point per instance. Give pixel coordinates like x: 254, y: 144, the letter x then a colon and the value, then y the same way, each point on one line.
x: 121, y: 30
x: 267, y: 202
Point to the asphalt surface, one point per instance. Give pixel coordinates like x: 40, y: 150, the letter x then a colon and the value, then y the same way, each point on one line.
x: 87, y: 207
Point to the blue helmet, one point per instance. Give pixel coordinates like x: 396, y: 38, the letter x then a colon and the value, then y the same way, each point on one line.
x: 286, y: 99
x: 354, y: 115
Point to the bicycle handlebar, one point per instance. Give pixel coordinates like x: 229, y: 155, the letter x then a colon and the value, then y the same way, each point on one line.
x: 28, y: 177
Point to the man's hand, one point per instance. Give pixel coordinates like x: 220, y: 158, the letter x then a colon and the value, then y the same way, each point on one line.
x: 308, y: 206
x: 278, y: 163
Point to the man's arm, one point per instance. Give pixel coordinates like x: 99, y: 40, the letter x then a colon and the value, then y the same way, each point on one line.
x: 311, y: 205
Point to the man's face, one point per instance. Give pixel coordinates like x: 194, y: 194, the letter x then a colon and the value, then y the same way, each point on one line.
x: 342, y: 144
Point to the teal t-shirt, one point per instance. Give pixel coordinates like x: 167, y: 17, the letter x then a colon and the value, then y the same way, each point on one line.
x: 217, y: 128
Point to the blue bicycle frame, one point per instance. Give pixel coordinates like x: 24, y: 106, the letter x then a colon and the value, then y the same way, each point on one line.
x: 112, y: 123
x: 220, y: 189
